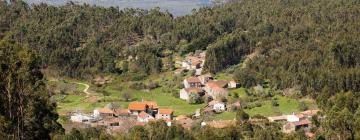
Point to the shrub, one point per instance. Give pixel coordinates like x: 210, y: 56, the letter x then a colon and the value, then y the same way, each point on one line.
x: 302, y: 106
x: 274, y: 103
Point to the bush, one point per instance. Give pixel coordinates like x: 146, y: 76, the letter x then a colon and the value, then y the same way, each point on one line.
x: 302, y: 106
x: 175, y: 94
x: 137, y: 86
x: 152, y: 85
x: 258, y: 104
x: 195, y: 98
x: 274, y: 103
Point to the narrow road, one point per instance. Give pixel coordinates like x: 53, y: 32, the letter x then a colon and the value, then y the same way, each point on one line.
x: 86, y: 87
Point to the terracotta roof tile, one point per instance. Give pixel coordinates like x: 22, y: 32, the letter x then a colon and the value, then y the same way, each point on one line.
x: 218, y: 83
x: 166, y: 111
x: 302, y: 122
x: 193, y: 79
x: 151, y: 104
x: 139, y: 106
x: 219, y: 89
x: 105, y: 111
x: 121, y: 112
x: 277, y: 118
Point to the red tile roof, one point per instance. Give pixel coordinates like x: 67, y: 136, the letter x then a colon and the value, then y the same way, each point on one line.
x: 302, y: 122
x: 278, y: 118
x: 218, y: 83
x: 105, y: 111
x: 151, y: 104
x: 139, y: 106
x: 166, y: 111
x: 193, y: 79
x: 219, y: 90
x: 121, y: 112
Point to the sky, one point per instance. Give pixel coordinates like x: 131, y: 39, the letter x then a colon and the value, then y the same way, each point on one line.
x: 176, y: 7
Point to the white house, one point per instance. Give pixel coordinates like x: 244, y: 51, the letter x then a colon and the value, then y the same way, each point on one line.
x: 192, y: 63
x: 184, y: 93
x: 103, y: 112
x: 198, y: 71
x: 144, y: 117
x: 292, y: 118
x: 217, y: 106
x: 192, y: 82
x: 233, y: 84
x: 81, y: 118
x: 165, y: 114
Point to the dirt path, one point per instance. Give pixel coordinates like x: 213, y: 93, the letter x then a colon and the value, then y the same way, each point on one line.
x: 86, y: 87
x: 249, y: 58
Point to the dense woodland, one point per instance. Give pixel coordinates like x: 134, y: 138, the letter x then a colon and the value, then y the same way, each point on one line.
x: 308, y: 45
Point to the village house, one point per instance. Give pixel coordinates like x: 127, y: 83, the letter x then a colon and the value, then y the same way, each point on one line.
x: 103, y: 112
x: 165, y: 114
x: 79, y: 118
x: 198, y: 72
x: 217, y: 106
x: 216, y: 89
x: 233, y: 84
x: 144, y: 117
x: 184, y: 93
x: 147, y: 106
x: 192, y: 82
x: 294, y: 117
x: 205, y: 78
x: 192, y: 63
x: 281, y: 118
x: 217, y: 93
x: 294, y: 126
x: 122, y: 113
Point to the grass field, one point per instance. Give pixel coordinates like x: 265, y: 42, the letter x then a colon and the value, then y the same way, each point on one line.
x: 72, y: 102
x: 225, y: 116
x: 223, y: 76
x: 286, y: 106
x: 75, y: 99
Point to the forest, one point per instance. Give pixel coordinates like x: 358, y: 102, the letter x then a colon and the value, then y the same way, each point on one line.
x: 308, y: 45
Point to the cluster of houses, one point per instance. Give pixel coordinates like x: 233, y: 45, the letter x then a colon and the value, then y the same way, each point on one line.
x: 205, y: 85
x: 194, y: 62
x: 138, y: 112
x: 294, y: 121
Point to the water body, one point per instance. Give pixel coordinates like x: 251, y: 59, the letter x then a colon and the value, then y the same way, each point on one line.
x: 176, y: 7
